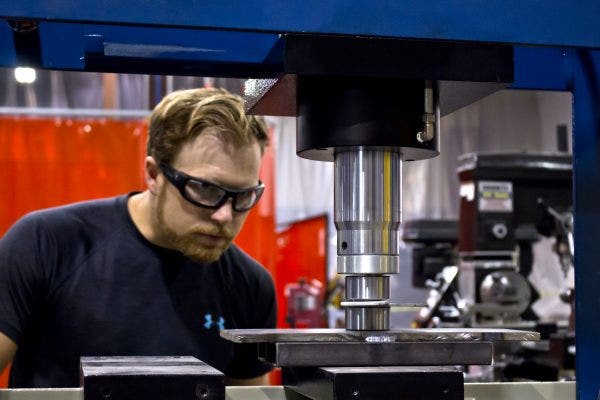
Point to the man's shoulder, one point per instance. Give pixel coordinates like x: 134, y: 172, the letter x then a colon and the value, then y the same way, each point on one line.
x: 85, y: 216
x: 83, y: 211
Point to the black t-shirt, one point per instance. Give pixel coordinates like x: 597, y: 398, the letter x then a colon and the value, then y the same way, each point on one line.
x: 81, y: 280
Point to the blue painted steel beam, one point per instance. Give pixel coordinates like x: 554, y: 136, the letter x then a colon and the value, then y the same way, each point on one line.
x: 537, y: 22
x: 577, y: 71
x: 151, y: 43
x: 585, y: 85
x: 70, y: 46
x: 542, y: 68
x: 7, y: 46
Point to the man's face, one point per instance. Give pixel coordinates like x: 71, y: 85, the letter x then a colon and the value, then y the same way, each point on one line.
x: 203, y: 234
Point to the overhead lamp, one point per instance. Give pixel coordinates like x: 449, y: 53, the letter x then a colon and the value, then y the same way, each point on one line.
x: 25, y: 75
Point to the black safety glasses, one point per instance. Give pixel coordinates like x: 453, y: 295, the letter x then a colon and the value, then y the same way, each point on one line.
x: 210, y: 195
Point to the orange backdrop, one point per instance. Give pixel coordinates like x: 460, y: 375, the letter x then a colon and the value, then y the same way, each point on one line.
x: 46, y: 162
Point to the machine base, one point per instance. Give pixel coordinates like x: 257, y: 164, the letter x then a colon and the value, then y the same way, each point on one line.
x: 381, y: 383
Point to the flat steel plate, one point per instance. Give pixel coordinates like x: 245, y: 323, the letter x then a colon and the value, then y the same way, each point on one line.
x: 150, y: 378
x: 350, y: 354
x: 393, y: 335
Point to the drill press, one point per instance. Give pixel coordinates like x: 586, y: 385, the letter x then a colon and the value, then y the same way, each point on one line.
x: 382, y: 111
x: 367, y: 127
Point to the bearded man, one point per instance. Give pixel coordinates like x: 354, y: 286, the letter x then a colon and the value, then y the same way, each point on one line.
x: 151, y: 273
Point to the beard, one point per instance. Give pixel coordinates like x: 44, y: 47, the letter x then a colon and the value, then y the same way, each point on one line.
x: 192, y: 243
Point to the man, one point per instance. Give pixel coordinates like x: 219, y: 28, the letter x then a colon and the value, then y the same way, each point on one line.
x: 151, y: 273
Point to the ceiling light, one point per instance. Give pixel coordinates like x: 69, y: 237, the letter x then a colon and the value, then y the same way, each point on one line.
x: 25, y: 75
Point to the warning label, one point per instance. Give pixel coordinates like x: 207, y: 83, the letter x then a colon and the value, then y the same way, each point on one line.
x: 495, y: 196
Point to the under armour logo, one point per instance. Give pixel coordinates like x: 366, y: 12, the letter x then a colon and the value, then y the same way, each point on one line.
x: 210, y: 323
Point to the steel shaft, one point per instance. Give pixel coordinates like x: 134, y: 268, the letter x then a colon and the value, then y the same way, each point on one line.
x: 367, y: 208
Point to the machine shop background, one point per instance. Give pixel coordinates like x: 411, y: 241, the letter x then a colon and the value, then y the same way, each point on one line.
x: 518, y: 121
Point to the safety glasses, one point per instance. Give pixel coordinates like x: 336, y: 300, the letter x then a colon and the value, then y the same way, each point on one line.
x: 210, y: 195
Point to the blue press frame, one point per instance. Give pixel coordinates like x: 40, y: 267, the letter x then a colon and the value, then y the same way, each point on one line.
x: 536, y: 22
x: 577, y: 71
x: 243, y: 33
x: 585, y: 85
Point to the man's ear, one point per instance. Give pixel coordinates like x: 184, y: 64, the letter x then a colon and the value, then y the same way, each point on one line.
x: 151, y: 175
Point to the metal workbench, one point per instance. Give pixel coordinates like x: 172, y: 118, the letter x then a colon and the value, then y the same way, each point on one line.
x: 473, y: 391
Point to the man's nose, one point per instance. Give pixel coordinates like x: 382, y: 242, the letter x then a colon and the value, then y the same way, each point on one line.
x: 224, y: 213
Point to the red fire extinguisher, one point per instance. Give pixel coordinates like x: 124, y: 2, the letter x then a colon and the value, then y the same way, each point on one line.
x: 305, y: 308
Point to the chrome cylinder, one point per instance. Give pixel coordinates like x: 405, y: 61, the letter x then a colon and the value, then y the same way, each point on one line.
x: 367, y: 201
x: 367, y: 126
x: 367, y: 287
x: 368, y: 264
x: 367, y: 318
x: 367, y: 207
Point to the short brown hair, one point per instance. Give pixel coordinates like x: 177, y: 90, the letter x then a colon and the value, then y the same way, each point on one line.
x: 184, y: 114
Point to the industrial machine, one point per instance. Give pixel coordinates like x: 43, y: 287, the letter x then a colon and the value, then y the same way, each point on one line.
x: 368, y: 123
x: 368, y: 84
x: 504, y: 210
x: 499, y: 211
x: 478, y: 267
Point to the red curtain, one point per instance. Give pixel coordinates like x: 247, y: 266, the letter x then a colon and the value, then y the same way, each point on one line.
x: 257, y: 237
x: 47, y: 162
